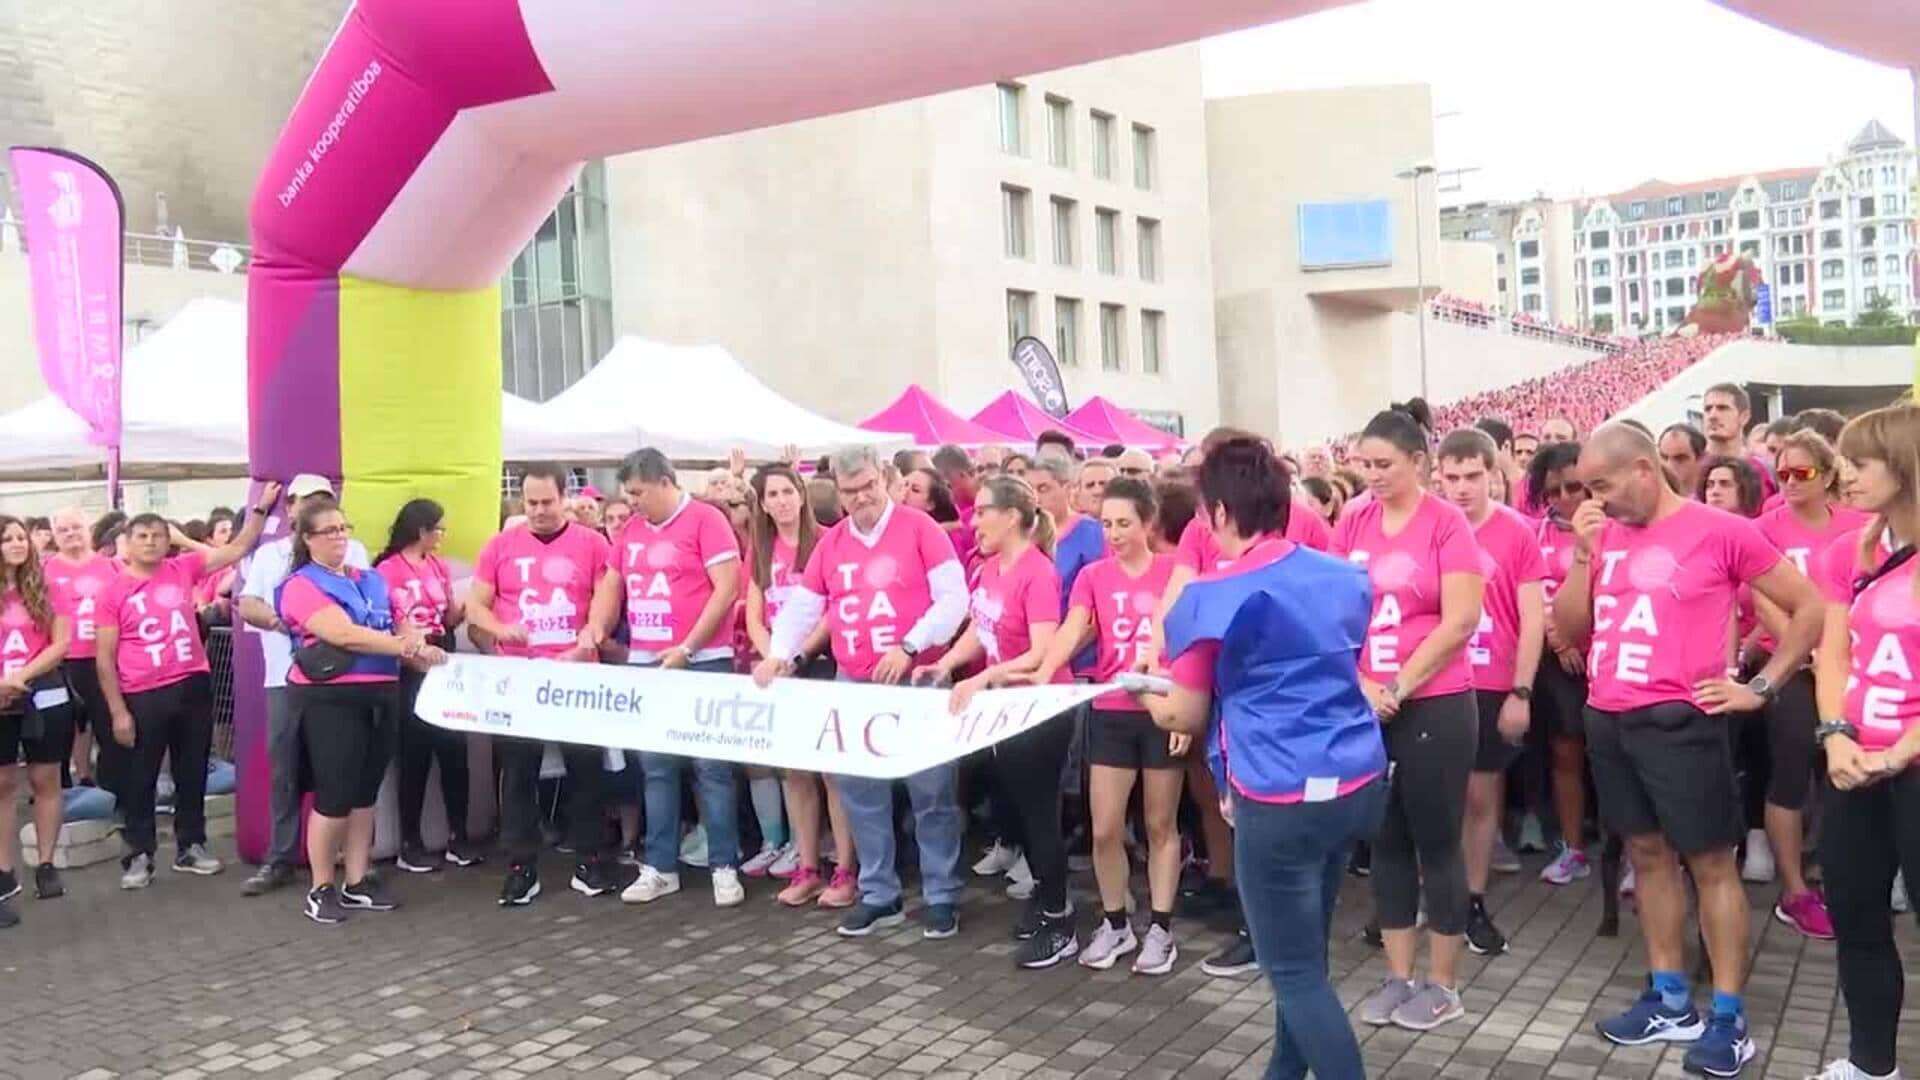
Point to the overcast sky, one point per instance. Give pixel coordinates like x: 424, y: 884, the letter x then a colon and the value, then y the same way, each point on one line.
x: 1582, y: 97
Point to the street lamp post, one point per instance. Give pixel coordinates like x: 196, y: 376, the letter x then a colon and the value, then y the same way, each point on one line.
x: 1413, y: 174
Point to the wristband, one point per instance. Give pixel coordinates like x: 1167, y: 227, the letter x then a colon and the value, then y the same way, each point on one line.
x: 1524, y: 693
x: 1829, y: 728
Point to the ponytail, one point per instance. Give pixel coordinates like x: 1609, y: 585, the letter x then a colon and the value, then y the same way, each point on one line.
x: 1013, y: 493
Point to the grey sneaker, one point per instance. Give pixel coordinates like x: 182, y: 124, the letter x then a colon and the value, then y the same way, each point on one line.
x: 1107, y: 946
x: 1432, y: 1006
x: 138, y: 873
x: 1504, y: 861
x: 1378, y: 1007
x: 195, y: 860
x: 1157, y: 953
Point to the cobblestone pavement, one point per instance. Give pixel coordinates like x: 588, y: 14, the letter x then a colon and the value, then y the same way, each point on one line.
x: 189, y: 979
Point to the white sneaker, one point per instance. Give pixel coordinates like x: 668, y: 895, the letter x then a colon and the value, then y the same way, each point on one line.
x: 727, y: 890
x: 1020, y: 880
x: 998, y: 859
x: 651, y: 885
x: 1626, y: 882
x: 788, y: 864
x: 1533, y: 838
x: 1844, y: 1069
x: 693, y: 847
x: 1758, y: 866
x: 763, y: 860
x: 1899, y: 901
x: 1567, y: 867
x: 1107, y: 946
x: 139, y: 872
x: 1503, y: 860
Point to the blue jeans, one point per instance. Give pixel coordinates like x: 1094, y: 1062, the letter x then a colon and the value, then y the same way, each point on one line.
x: 938, y: 825
x: 714, y: 789
x: 1290, y: 859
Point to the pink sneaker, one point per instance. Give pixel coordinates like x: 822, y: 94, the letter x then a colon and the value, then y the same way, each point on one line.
x: 843, y: 890
x: 802, y: 888
x: 1806, y: 913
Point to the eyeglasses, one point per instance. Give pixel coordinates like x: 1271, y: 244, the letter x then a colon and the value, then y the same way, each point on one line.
x: 1802, y: 473
x: 332, y: 532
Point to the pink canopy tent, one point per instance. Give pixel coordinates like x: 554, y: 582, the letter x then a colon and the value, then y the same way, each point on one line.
x: 1109, y: 423
x: 1023, y: 421
x: 919, y: 416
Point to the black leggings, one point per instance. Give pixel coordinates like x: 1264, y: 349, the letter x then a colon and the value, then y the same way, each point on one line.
x: 421, y: 744
x: 1869, y: 834
x: 1029, y: 767
x: 1431, y: 743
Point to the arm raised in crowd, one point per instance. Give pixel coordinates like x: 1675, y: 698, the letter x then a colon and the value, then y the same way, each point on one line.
x: 236, y: 549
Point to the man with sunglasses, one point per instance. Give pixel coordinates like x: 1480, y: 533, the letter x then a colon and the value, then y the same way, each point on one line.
x: 260, y: 578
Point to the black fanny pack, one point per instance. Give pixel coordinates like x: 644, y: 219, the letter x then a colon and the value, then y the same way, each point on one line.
x: 321, y: 662
x: 33, y: 724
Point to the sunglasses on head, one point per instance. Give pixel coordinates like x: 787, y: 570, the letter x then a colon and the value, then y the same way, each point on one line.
x: 1802, y: 473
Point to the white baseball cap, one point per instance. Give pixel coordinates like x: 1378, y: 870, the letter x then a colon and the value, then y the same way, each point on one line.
x: 307, y: 484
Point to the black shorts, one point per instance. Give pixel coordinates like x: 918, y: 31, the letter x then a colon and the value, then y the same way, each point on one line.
x: 348, y: 732
x: 1494, y: 752
x: 89, y: 704
x: 43, y: 738
x: 1127, y: 739
x: 1559, y: 700
x: 1667, y: 769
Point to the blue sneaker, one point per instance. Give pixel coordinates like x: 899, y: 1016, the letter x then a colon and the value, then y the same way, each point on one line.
x: 865, y: 918
x: 940, y: 921
x: 1651, y: 1021
x: 1723, y: 1051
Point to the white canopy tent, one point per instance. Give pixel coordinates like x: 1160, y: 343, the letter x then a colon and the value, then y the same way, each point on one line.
x: 691, y: 402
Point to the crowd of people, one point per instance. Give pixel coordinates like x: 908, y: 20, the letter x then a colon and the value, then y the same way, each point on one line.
x: 1458, y: 309
x: 1586, y: 394
x: 1402, y: 661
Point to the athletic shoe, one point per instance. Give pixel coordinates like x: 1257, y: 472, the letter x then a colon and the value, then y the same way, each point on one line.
x: 788, y: 864
x: 1651, y: 1021
x: 938, y: 922
x: 865, y: 918
x: 368, y: 894
x: 727, y: 890
x: 1627, y: 882
x: 803, y: 888
x: 268, y: 877
x: 1235, y: 958
x: 46, y: 882
x: 1028, y: 924
x: 138, y: 871
x: 843, y: 890
x: 1432, y: 1006
x: 651, y: 885
x: 1844, y: 1069
x: 1503, y: 861
x: 1052, y: 943
x: 1532, y: 839
x: 195, y: 860
x: 1020, y: 880
x: 1806, y: 913
x: 1370, y: 933
x: 1107, y: 946
x: 324, y: 907
x: 1898, y: 901
x: 597, y: 878
x: 693, y: 847
x: 1568, y: 866
x: 1484, y: 938
x: 463, y: 852
x: 8, y: 917
x: 415, y: 859
x: 1377, y: 1009
x: 1157, y: 953
x: 763, y: 860
x: 1758, y: 866
x: 522, y: 885
x: 997, y: 859
x: 9, y: 884
x: 1723, y: 1051
x: 630, y: 858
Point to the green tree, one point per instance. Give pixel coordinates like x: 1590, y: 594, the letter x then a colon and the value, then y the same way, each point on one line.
x: 1879, y: 312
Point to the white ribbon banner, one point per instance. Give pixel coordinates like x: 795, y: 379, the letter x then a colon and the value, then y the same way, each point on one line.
x: 855, y: 729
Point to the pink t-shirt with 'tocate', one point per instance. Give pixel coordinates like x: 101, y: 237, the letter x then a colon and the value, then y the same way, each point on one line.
x: 876, y: 587
x: 1663, y: 599
x: 21, y: 639
x: 1122, y: 608
x: 76, y: 591
x: 1008, y: 601
x: 1883, y: 684
x: 1509, y: 558
x: 544, y: 585
x: 159, y: 639
x: 665, y: 570
x: 1405, y: 570
x: 418, y: 592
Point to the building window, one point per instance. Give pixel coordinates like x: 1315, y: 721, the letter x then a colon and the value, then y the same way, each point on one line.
x: 1601, y: 268
x: 1152, y: 330
x: 1014, y: 223
x: 1529, y: 249
x: 1113, y: 337
x: 1065, y: 222
x: 1719, y: 227
x: 1633, y: 292
x: 1788, y: 191
x: 556, y: 304
x: 1749, y: 219
x: 1102, y: 146
x: 1868, y: 235
x: 1673, y: 258
x: 1829, y: 209
x: 1060, y: 132
x: 1013, y: 133
x: 1019, y: 315
x: 1633, y: 264
x: 1636, y: 211
x: 1530, y: 303
x: 1713, y: 200
x: 1147, y: 234
x: 1676, y: 286
x: 1602, y: 295
x: 1501, y: 284
x: 1833, y: 299
x: 1666, y: 232
x: 1866, y: 206
x: 1832, y: 270
x: 1599, y: 240
x: 1145, y: 168
x: 1830, y: 240
x: 1106, y: 230
x: 1747, y: 247
x: 1869, y: 266
x: 1893, y: 266
x: 1676, y: 205
x: 1529, y: 276
x: 1066, y: 331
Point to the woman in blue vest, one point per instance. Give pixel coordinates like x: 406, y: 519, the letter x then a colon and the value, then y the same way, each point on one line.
x: 1264, y: 658
x: 343, y: 690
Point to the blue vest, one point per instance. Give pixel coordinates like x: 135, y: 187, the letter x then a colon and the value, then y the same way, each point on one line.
x: 1084, y: 545
x: 365, y: 601
x: 1288, y: 714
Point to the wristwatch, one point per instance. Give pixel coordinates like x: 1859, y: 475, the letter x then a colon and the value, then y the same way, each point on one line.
x: 1764, y: 688
x: 1524, y: 693
x: 912, y: 651
x: 1829, y: 728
